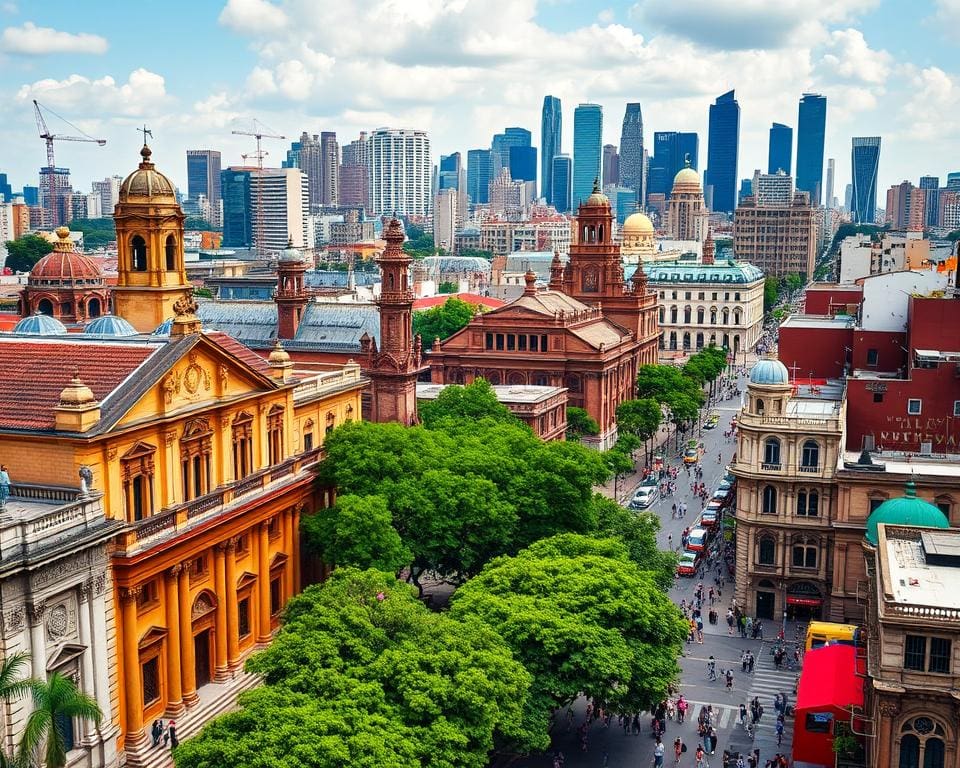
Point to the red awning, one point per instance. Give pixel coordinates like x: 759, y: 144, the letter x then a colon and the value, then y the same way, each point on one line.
x: 810, y: 601
x: 830, y: 679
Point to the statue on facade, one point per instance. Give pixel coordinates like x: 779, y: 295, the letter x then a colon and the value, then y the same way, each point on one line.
x: 86, y: 480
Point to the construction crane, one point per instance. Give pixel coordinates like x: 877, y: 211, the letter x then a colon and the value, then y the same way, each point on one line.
x: 49, y: 137
x: 259, y: 134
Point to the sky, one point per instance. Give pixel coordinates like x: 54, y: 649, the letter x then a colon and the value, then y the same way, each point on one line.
x: 465, y: 69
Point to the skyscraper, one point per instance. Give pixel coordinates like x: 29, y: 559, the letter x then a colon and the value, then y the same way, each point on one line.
x: 561, y: 174
x: 329, y: 168
x: 203, y: 176
x: 355, y: 172
x: 931, y: 185
x: 670, y: 152
x: 631, y: 151
x: 780, y: 152
x: 237, y: 221
x: 449, y: 173
x: 551, y: 123
x: 500, y: 147
x: 611, y: 165
x: 400, y: 172
x: 6, y: 191
x: 865, y: 161
x: 309, y: 159
x: 523, y: 164
x: 906, y: 206
x: 723, y: 143
x: 811, y: 129
x: 587, y: 141
x: 62, y: 194
x: 831, y: 174
x: 479, y: 173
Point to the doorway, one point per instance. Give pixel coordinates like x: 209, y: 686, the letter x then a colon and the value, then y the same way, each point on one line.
x: 201, y: 655
x: 765, y: 602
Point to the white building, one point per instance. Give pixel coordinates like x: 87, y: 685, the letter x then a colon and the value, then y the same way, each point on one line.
x: 773, y: 188
x: 860, y: 256
x: 445, y: 219
x: 286, y: 205
x: 400, y: 171
x: 109, y: 192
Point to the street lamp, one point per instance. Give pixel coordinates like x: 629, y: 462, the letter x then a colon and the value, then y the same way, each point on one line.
x: 783, y: 624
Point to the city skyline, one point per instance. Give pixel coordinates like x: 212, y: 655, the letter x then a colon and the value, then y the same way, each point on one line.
x: 277, y: 63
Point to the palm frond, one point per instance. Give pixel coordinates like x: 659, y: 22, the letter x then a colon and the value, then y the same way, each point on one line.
x: 13, y: 684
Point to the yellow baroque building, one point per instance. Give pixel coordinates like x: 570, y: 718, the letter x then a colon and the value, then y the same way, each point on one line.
x: 195, y: 459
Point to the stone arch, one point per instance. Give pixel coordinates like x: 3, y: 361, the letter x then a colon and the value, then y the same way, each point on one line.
x: 138, y: 254
x: 94, y: 307
x: 170, y: 253
x: 516, y: 378
x: 45, y: 307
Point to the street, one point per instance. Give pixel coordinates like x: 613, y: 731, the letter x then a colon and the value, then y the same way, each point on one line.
x: 611, y: 746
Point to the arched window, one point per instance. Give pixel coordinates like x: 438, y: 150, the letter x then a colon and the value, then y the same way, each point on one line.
x: 171, y: 253
x: 662, y: 314
x: 673, y: 339
x: 771, y: 453
x: 94, y: 308
x: 769, y: 500
x: 759, y: 407
x: 726, y: 316
x: 699, y: 341
x: 673, y: 314
x: 700, y: 314
x: 45, y: 307
x: 687, y: 314
x: 805, y: 553
x: 138, y: 254
x: 808, y: 503
x: 921, y: 744
x: 736, y: 316
x: 810, y: 456
x: 713, y: 316
x: 767, y: 553
x: 686, y: 341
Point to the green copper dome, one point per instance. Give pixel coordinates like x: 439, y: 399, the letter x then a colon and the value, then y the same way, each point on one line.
x: 907, y: 510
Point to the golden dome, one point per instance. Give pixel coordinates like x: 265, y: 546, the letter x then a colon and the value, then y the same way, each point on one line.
x: 147, y: 182
x: 687, y: 180
x: 637, y: 225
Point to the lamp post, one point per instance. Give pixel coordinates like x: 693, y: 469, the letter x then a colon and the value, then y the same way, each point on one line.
x: 783, y: 593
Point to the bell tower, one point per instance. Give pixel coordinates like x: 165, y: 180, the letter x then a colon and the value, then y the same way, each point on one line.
x: 290, y: 296
x: 150, y: 272
x: 394, y: 366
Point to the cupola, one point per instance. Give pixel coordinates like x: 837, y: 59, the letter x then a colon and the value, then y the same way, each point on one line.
x: 77, y: 409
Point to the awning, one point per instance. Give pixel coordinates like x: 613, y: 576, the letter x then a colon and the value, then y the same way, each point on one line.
x: 830, y: 680
x: 813, y: 602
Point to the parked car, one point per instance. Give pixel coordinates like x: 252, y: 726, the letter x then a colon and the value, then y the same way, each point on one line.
x: 689, y: 562
x: 649, y: 480
x: 697, y: 539
x: 721, y: 495
x: 691, y: 454
x: 712, y: 421
x: 710, y: 516
x: 645, y: 496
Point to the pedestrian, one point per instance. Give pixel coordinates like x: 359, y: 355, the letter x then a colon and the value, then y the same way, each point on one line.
x: 730, y: 621
x: 729, y: 677
x: 678, y: 749
x: 658, y: 751
x: 743, y: 715
x: 713, y: 739
x: 156, y: 732
x: 779, y: 728
x: 172, y: 731
x: 701, y: 759
x: 743, y: 661
x: 750, y: 662
x: 4, y: 485
x: 681, y: 709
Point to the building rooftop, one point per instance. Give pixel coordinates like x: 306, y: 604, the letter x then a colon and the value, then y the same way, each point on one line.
x: 720, y: 272
x: 506, y: 393
x: 819, y: 321
x: 903, y: 463
x: 921, y: 570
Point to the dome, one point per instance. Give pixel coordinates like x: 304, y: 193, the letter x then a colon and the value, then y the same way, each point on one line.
x: 688, y: 178
x: 279, y: 356
x: 40, y: 325
x: 290, y: 253
x: 769, y: 372
x: 147, y: 182
x: 164, y: 328
x: 907, y: 510
x: 110, y: 325
x: 637, y: 224
x: 64, y: 265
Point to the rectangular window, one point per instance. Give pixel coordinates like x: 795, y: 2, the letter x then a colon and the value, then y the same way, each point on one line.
x: 543, y: 344
x: 522, y: 342
x: 873, y: 357
x: 874, y: 503
x: 878, y: 397
x: 956, y: 407
x: 686, y: 295
x: 914, y: 652
x: 308, y: 441
x: 500, y: 341
x: 147, y: 595
x: 489, y: 341
x: 914, y: 406
x: 243, y: 618
x: 700, y: 295
x: 939, y: 656
x: 243, y: 544
x: 273, y: 527
x: 818, y: 722
x: 150, y: 670
x: 511, y: 342
x: 200, y: 566
x: 276, y: 596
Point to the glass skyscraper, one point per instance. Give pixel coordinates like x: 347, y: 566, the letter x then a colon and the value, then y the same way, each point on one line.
x: 931, y: 213
x: 587, y: 148
x: 551, y: 128
x: 865, y: 161
x: 631, y: 151
x: 500, y: 147
x: 723, y: 145
x: 811, y: 129
x: 237, y: 223
x: 203, y: 175
x: 560, y: 174
x: 670, y: 151
x: 780, y: 152
x: 479, y: 171
x: 6, y: 191
x: 523, y: 163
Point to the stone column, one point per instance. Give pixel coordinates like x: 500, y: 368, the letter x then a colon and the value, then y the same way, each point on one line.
x: 101, y: 604
x: 220, y: 646
x: 233, y: 631
x: 887, y: 711
x: 287, y: 534
x: 88, y: 680
x: 133, y: 686
x: 295, y: 553
x: 172, y: 607
x: 263, y: 583
x: 38, y: 640
x: 188, y: 664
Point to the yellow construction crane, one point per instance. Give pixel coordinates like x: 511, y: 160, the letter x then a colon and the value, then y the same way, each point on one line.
x: 49, y: 137
x: 259, y: 134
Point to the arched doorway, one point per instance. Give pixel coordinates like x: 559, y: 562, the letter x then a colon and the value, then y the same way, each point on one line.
x: 202, y: 616
x: 45, y: 307
x: 93, y: 308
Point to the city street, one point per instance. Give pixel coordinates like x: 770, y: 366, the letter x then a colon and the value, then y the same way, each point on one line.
x: 611, y: 746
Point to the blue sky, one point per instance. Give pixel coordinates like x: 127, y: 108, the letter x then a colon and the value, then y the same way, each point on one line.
x: 464, y: 69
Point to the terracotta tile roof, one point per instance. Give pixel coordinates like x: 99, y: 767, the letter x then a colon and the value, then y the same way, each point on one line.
x: 241, y: 352
x: 36, y: 371
x: 471, y: 298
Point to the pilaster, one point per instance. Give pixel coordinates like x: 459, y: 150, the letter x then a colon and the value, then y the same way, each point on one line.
x: 174, y: 675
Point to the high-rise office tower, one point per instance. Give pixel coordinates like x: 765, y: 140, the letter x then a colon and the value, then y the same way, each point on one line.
x: 551, y: 124
x: 237, y: 223
x: 723, y: 144
x: 780, y: 151
x: 479, y: 174
x: 931, y: 185
x: 448, y: 176
x: 109, y: 191
x: 562, y: 176
x: 310, y: 161
x: 780, y: 239
x: 831, y: 173
x: 31, y: 194
x: 523, y: 164
x: 284, y: 193
x: 329, y: 168
x: 611, y: 165
x: 6, y: 191
x: 671, y: 150
x: 811, y: 129
x: 354, y: 172
x: 865, y: 161
x: 587, y: 142
x: 400, y: 172
x: 293, y: 156
x: 500, y: 147
x: 631, y: 151
x: 445, y: 219
x: 771, y: 188
x: 63, y: 196
x: 203, y: 176
x: 906, y: 206
x: 953, y: 181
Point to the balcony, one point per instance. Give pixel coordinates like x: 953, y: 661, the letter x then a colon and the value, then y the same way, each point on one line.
x: 771, y: 467
x: 810, y: 469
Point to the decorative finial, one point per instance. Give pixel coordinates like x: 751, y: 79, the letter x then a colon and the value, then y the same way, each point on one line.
x: 596, y: 185
x: 185, y: 306
x: 686, y: 160
x: 910, y: 489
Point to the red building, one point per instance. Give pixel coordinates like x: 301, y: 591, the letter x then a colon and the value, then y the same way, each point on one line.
x: 588, y: 332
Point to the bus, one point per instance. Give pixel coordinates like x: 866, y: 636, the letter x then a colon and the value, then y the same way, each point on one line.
x: 821, y: 633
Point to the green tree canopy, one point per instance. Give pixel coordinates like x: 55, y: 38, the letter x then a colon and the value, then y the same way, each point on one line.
x: 583, y: 619
x: 580, y: 423
x: 363, y: 674
x: 443, y: 320
x: 447, y: 287
x: 471, y: 402
x: 640, y: 418
x: 667, y: 385
x: 96, y: 232
x: 771, y: 292
x: 24, y: 252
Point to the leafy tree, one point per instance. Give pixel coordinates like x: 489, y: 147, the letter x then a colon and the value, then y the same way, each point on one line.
x: 477, y: 253
x: 580, y: 423
x: 26, y: 251
x: 637, y: 531
x: 443, y: 321
x: 771, y: 292
x: 447, y: 287
x: 54, y: 701
x: 583, y: 619
x: 200, y: 224
x: 363, y: 674
x: 96, y: 232
x: 639, y: 419
x: 471, y: 402
x: 357, y: 531
x: 619, y: 461
x: 202, y: 292
x: 794, y: 282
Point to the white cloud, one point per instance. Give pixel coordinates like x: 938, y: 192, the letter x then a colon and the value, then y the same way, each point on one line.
x: 32, y: 40
x: 605, y: 16
x: 933, y: 110
x: 10, y: 8
x: 948, y: 15
x: 255, y: 17
x: 143, y: 94
x: 850, y: 57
